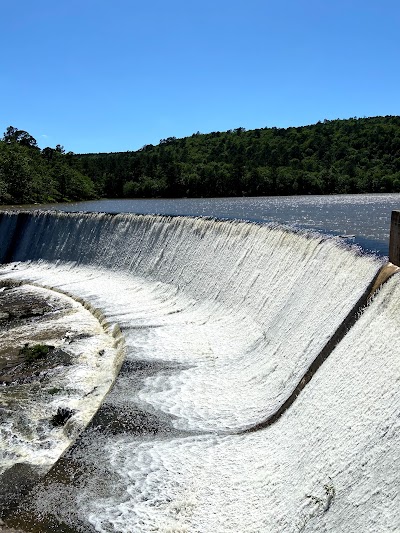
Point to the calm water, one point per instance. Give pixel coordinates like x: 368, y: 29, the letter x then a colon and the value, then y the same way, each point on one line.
x: 366, y: 216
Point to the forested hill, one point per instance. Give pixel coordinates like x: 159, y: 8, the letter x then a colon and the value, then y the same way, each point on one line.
x: 31, y: 175
x: 338, y: 156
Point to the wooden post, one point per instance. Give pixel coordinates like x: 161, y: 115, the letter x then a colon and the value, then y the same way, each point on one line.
x: 394, y: 241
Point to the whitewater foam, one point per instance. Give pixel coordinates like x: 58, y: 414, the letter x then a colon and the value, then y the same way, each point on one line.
x: 329, y: 464
x: 189, y: 283
x: 231, y: 315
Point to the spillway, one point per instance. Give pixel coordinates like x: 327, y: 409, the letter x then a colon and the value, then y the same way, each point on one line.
x: 221, y: 322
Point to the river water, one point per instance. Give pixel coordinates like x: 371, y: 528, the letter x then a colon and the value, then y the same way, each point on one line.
x: 366, y: 216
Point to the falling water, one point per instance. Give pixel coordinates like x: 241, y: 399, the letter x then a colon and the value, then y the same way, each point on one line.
x: 221, y: 320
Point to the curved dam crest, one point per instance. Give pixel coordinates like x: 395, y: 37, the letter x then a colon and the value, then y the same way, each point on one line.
x: 209, y: 276
x: 221, y: 322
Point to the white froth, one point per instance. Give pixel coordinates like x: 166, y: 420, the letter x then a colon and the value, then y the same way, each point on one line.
x: 245, y: 308
x: 329, y: 464
x: 239, y: 312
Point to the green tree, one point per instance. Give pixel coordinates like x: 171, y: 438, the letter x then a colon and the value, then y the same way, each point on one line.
x: 21, y: 137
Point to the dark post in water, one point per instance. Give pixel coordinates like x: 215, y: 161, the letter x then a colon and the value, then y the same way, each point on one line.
x: 394, y: 241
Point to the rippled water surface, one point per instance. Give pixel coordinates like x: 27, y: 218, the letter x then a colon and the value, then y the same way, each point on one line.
x: 366, y: 216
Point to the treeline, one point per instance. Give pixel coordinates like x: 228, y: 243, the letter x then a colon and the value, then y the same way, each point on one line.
x: 334, y: 156
x: 30, y: 175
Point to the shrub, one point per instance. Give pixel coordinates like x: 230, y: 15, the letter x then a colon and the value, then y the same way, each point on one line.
x: 35, y: 352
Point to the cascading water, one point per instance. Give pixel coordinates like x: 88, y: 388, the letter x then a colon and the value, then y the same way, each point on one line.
x: 221, y: 320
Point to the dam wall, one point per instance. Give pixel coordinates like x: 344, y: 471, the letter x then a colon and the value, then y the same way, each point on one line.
x: 221, y: 322
x: 260, y: 302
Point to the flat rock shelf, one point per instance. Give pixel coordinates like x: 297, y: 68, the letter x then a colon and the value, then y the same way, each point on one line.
x: 56, y: 364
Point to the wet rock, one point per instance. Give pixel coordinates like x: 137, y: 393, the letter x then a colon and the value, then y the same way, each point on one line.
x: 60, y: 357
x: 27, y: 369
x: 117, y: 420
x: 15, y: 483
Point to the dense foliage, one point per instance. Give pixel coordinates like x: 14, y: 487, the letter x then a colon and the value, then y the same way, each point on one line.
x: 337, y: 156
x: 31, y: 175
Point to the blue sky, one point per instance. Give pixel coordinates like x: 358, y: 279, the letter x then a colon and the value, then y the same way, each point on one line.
x: 102, y: 76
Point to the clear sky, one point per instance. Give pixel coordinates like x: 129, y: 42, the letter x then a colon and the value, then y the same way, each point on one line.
x: 102, y: 76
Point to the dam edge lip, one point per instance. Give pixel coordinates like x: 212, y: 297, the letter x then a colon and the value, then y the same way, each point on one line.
x: 311, y: 233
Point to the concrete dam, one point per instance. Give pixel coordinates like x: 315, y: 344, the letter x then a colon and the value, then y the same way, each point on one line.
x: 231, y: 377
